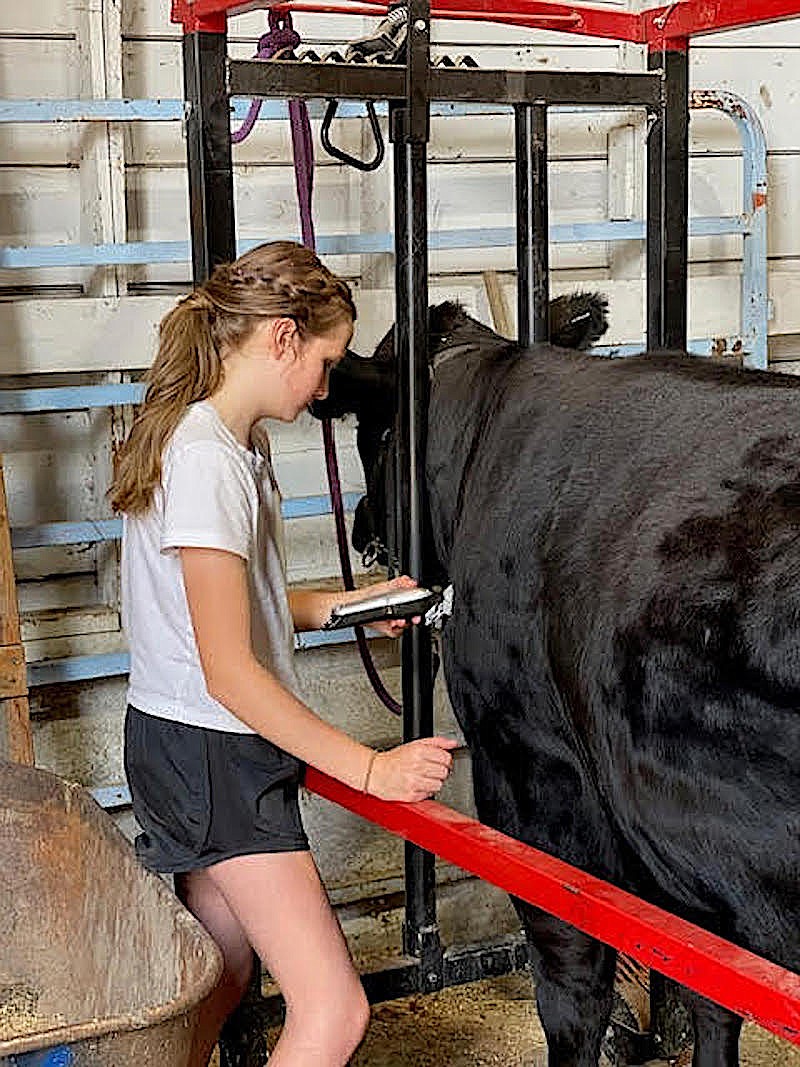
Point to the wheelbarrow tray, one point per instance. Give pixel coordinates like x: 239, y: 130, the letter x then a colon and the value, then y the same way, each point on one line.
x: 96, y: 953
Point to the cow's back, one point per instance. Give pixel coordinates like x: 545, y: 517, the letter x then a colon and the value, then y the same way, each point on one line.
x: 624, y: 539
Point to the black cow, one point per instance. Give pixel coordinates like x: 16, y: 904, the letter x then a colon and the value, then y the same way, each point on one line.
x: 623, y: 537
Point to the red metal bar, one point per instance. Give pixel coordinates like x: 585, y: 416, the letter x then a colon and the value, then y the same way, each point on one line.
x: 450, y: 9
x: 688, y: 18
x: 683, y: 19
x: 568, y: 18
x: 210, y: 15
x: 542, y: 14
x: 730, y: 976
x: 344, y: 7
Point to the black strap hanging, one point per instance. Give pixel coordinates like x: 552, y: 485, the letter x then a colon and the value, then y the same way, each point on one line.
x: 345, y: 157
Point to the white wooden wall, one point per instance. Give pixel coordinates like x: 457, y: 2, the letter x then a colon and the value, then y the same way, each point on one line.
x: 94, y: 183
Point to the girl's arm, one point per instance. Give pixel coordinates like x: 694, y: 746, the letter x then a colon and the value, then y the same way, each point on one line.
x: 312, y: 607
x: 217, y: 594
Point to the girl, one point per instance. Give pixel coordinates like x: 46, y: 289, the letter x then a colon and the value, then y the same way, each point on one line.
x: 216, y: 732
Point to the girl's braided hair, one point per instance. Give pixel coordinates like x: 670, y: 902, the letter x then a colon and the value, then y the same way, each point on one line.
x: 278, y: 279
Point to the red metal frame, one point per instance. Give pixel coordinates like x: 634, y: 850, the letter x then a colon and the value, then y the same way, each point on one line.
x: 730, y: 976
x: 692, y: 17
x: 672, y: 23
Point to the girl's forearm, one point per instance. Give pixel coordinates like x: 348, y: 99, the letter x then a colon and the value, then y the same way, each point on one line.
x: 257, y: 698
x: 311, y: 608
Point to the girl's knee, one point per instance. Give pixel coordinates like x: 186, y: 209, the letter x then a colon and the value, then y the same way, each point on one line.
x: 335, y: 1027
x: 347, y: 1021
x: 360, y: 1016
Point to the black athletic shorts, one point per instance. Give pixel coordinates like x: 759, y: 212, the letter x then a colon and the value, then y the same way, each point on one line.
x: 201, y: 796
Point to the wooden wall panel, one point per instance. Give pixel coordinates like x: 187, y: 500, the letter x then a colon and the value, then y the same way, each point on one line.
x: 42, y: 18
x: 39, y: 206
x: 765, y: 77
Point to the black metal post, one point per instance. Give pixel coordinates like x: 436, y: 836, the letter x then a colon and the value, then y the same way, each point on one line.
x: 208, y: 147
x: 533, y: 283
x: 410, y: 132
x: 668, y: 204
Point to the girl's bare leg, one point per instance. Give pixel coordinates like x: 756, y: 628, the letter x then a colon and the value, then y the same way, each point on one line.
x: 205, y: 901
x: 285, y: 914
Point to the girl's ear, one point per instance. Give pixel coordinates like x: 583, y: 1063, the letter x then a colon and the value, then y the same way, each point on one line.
x: 283, y: 335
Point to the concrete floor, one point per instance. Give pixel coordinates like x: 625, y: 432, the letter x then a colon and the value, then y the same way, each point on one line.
x: 492, y: 1023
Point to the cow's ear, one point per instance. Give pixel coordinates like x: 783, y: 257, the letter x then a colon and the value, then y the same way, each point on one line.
x: 384, y: 354
x: 443, y: 318
x: 358, y: 385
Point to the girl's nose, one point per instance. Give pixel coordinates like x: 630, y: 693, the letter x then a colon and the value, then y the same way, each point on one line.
x: 322, y: 389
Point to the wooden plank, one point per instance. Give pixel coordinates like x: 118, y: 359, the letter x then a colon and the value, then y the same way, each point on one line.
x: 783, y: 34
x: 501, y: 318
x: 76, y: 645
x: 41, y: 19
x: 38, y: 67
x: 40, y: 205
x: 15, y: 725
x: 91, y: 334
x: 461, y: 137
x: 16, y: 742
x: 103, y: 221
x: 12, y: 672
x: 9, y: 613
x: 766, y: 78
x: 98, y: 334
x: 102, y: 169
x: 49, y: 624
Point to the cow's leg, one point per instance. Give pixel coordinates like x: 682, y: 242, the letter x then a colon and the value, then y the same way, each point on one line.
x: 574, y: 977
x: 716, y: 1034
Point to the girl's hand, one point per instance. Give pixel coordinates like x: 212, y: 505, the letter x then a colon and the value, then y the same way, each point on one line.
x: 412, y: 772
x: 390, y: 627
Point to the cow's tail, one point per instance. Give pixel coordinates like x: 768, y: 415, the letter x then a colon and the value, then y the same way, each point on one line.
x: 578, y: 320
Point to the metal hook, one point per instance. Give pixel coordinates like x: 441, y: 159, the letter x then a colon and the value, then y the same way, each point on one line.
x: 661, y: 21
x: 345, y: 157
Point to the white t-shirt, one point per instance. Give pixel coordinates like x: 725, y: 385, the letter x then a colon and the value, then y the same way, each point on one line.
x: 214, y: 494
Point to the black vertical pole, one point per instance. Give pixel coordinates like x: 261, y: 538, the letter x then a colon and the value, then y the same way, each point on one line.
x: 667, y: 315
x: 533, y: 256
x: 208, y: 147
x: 668, y: 203
x: 410, y: 133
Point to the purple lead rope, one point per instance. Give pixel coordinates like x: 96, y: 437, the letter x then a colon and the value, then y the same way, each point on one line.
x: 280, y: 37
x: 283, y: 36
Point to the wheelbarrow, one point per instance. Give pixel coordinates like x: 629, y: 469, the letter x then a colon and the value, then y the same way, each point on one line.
x: 100, y: 964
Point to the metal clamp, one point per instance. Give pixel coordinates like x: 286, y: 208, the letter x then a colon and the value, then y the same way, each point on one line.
x: 345, y: 157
